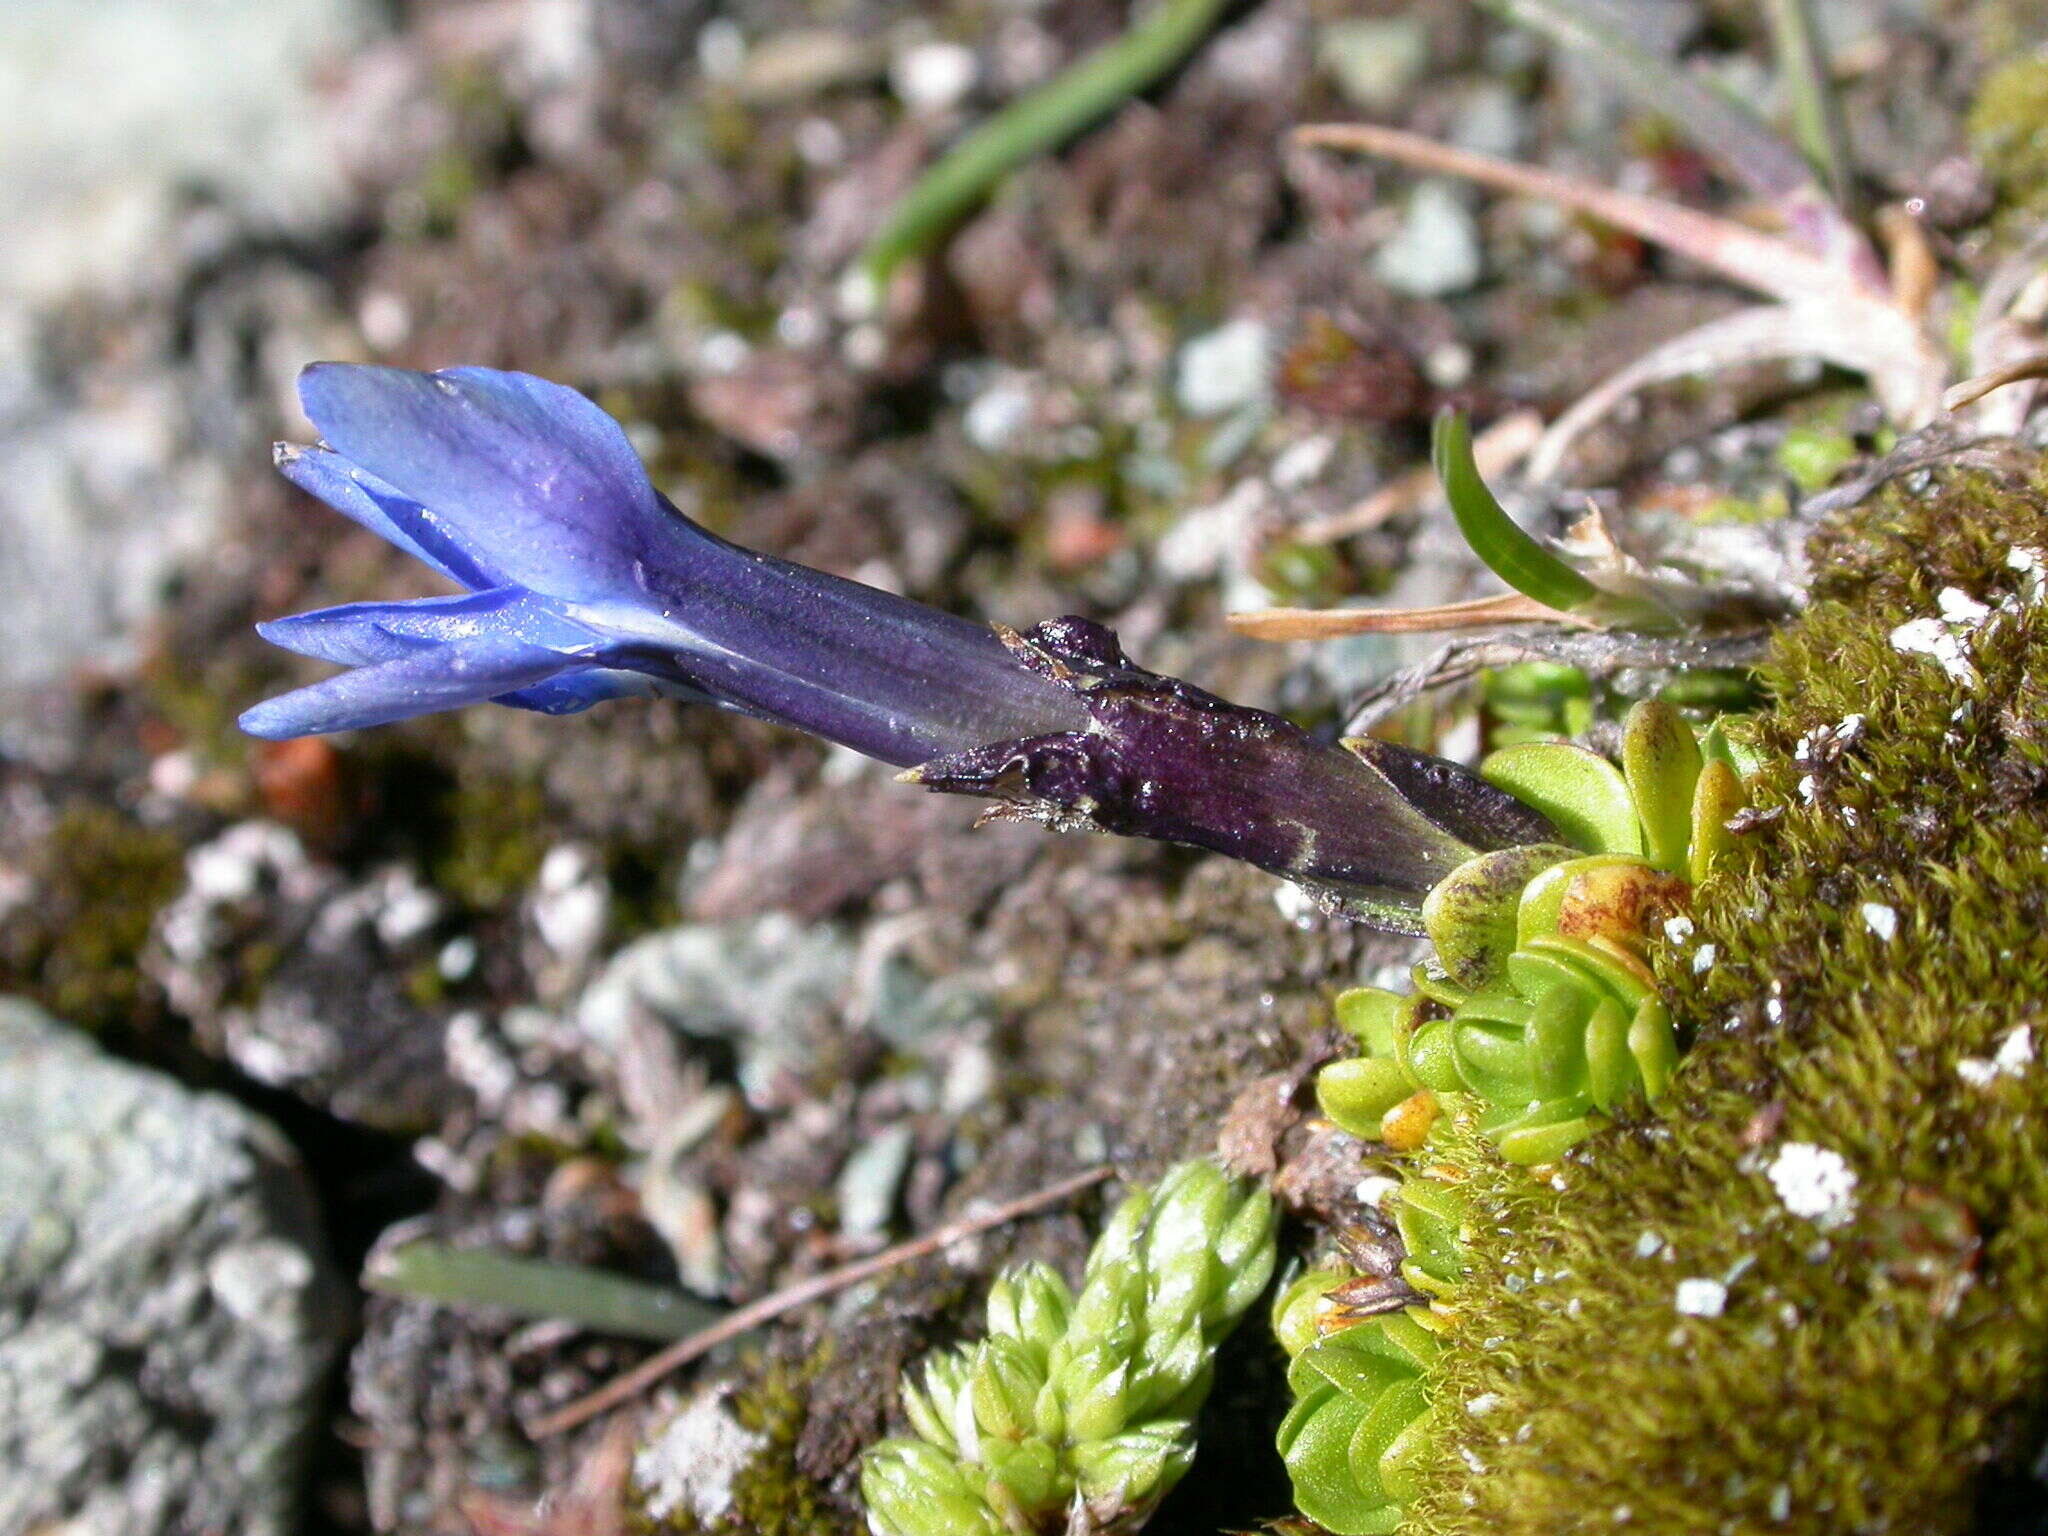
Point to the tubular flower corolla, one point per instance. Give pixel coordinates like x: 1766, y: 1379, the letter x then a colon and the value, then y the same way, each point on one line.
x: 584, y: 583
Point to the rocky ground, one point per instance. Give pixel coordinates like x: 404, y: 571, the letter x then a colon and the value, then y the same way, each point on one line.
x: 681, y: 996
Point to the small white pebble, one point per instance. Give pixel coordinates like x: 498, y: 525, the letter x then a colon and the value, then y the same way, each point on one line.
x: 1472, y: 1460
x: 1809, y: 788
x: 1881, y: 920
x: 1958, y: 607
x: 1648, y: 1244
x: 1678, y: 929
x: 1374, y: 1188
x: 2015, y: 1051
x: 1781, y: 1503
x: 1484, y: 1403
x: 1814, y: 1182
x: 1703, y: 959
x: 1700, y: 1297
x: 1850, y: 728
x: 933, y: 77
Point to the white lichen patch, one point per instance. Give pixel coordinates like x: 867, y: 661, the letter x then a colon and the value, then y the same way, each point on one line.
x: 1881, y: 920
x: 1814, y: 1182
x: 2014, y: 1055
x: 1700, y: 1297
x: 692, y: 1462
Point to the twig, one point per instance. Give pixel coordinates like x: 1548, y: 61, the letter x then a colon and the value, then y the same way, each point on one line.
x: 1329, y: 623
x: 770, y: 1307
x: 1497, y: 450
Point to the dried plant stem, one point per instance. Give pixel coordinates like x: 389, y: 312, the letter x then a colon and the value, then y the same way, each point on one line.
x: 1759, y: 261
x: 1329, y: 623
x: 1970, y: 391
x: 770, y: 1307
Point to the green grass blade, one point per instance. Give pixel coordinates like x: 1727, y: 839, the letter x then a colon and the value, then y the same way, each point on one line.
x: 1031, y: 125
x: 1496, y: 538
x: 484, y: 1277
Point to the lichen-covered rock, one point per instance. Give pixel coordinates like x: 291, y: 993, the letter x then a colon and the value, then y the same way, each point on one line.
x: 167, y: 1311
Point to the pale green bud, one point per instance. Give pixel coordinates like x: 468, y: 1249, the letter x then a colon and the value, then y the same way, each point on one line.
x: 1244, y: 1252
x: 1136, y: 1468
x: 1030, y: 1471
x: 1170, y: 1364
x: 914, y: 1489
x: 1005, y: 1388
x: 933, y: 1406
x: 1098, y: 1403
x: 1030, y: 1304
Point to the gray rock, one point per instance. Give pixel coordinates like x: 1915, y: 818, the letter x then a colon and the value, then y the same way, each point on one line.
x: 167, y: 1312
x: 119, y: 108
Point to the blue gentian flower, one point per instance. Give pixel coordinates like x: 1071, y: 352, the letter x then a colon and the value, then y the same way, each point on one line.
x: 585, y: 583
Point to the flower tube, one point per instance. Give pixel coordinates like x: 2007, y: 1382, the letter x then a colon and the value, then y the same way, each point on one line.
x: 585, y: 583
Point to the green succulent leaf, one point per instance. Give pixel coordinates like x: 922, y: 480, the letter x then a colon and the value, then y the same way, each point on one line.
x: 1584, y: 795
x: 1470, y: 913
x: 1661, y: 762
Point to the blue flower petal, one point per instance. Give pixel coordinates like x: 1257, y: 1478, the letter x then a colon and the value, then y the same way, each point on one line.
x: 574, y: 692
x: 530, y: 476
x: 360, y: 495
x: 444, y: 677
x: 362, y: 634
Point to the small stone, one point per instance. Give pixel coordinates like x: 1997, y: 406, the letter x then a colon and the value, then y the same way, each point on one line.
x: 1881, y: 920
x: 1374, y: 61
x: 933, y: 77
x: 1435, y: 252
x: 1701, y: 1297
x: 1225, y: 370
x: 870, y: 1180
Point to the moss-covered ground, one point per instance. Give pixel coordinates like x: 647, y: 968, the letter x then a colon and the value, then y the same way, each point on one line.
x: 1884, y: 1373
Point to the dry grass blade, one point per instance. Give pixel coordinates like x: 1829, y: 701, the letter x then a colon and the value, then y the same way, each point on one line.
x: 1970, y: 391
x: 1331, y: 623
x: 788, y: 1299
x: 1739, y: 253
x: 1497, y: 451
x: 1871, y: 339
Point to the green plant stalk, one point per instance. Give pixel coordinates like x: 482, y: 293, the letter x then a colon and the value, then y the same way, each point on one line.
x: 1816, y: 114
x: 591, y: 1298
x: 1031, y: 125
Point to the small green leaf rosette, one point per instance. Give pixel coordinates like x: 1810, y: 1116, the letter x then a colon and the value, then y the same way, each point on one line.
x: 1540, y: 1002
x: 1081, y: 1401
x: 1362, y: 1417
